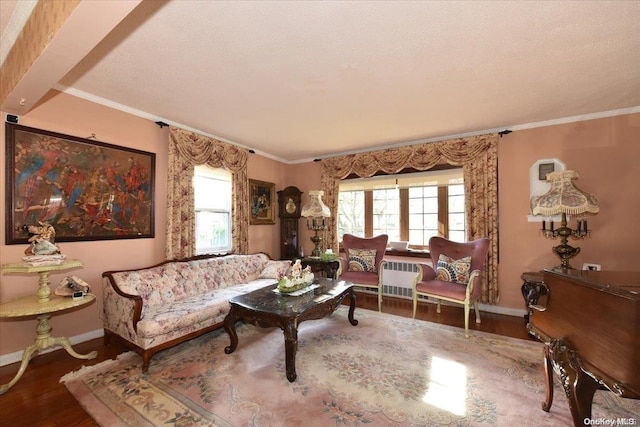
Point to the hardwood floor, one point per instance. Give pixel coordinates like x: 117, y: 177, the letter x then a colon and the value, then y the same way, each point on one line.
x: 39, y: 399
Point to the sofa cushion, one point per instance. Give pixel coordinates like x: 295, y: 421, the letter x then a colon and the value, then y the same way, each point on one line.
x: 275, y: 270
x: 209, y: 307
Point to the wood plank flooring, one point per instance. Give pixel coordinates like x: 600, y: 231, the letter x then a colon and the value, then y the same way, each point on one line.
x: 39, y: 399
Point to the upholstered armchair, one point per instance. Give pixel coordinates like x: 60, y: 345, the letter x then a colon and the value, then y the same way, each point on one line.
x: 363, y: 262
x: 454, y: 275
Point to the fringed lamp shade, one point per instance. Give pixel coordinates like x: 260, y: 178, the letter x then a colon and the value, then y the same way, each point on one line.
x: 317, y: 211
x: 316, y: 208
x: 565, y: 197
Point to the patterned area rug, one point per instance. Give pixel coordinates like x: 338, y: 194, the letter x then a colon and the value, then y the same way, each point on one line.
x: 387, y: 371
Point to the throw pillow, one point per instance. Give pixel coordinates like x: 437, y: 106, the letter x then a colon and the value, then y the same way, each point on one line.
x: 453, y: 270
x: 275, y: 269
x: 362, y: 260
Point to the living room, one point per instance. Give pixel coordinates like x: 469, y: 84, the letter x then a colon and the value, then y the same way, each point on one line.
x: 603, y: 147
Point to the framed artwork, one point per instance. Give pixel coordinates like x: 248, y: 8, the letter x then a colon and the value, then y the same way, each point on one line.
x: 262, y: 201
x: 87, y: 190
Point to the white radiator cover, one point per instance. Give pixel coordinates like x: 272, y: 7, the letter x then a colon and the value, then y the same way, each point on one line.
x: 397, y: 279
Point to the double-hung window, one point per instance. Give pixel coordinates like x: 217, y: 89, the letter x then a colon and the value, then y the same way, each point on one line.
x: 212, y: 194
x: 407, y: 206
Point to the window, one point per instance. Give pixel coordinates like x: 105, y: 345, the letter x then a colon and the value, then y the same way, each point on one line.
x: 212, y: 194
x: 411, y: 206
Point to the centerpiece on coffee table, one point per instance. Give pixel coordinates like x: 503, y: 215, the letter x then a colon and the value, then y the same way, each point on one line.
x: 299, y: 278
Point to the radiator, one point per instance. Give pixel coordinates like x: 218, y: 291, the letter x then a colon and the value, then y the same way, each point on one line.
x: 397, y: 279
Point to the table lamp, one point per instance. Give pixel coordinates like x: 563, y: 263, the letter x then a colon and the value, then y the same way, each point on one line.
x: 316, y: 213
x: 566, y: 199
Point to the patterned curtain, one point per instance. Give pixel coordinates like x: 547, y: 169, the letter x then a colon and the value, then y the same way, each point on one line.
x: 186, y: 150
x: 478, y: 157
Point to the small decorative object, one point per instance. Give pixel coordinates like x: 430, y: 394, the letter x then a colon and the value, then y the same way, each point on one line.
x: 298, y: 279
x: 72, y: 285
x: 41, y: 238
x: 566, y: 199
x: 317, y: 211
x: 328, y: 255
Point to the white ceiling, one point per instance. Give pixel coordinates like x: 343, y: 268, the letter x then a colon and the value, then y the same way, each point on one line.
x: 310, y: 79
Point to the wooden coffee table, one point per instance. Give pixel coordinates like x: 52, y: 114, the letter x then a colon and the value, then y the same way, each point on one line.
x: 268, y: 308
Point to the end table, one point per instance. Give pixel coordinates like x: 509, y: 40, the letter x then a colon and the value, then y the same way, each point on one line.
x: 329, y: 268
x: 42, y: 305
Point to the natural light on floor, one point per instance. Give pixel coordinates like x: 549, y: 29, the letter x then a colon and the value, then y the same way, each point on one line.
x: 448, y: 386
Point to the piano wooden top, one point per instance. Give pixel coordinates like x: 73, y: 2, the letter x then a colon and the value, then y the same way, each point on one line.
x: 621, y: 283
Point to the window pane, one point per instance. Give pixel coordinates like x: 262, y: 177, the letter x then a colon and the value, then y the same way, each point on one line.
x: 456, y: 203
x: 212, y: 193
x: 456, y: 221
x: 431, y: 221
x: 415, y: 221
x: 212, y: 231
x: 386, y: 213
x: 351, y: 213
x: 430, y: 205
x: 213, y: 197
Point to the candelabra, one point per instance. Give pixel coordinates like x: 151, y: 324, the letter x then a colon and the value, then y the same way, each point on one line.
x: 316, y: 224
x: 564, y: 250
x: 565, y: 198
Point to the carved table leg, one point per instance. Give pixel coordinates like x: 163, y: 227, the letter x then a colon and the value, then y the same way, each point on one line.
x: 230, y: 328
x: 43, y: 341
x: 578, y: 385
x: 291, y: 348
x: 26, y: 357
x: 352, y: 307
x: 548, y: 374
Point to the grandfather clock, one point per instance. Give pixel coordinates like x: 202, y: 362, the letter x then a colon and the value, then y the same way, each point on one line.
x: 289, y: 201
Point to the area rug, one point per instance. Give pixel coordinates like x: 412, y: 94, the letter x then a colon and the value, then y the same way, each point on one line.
x: 386, y: 371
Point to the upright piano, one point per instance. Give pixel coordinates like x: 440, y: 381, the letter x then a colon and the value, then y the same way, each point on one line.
x: 590, y: 324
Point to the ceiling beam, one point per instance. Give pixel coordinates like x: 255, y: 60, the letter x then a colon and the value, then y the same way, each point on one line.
x: 54, y: 39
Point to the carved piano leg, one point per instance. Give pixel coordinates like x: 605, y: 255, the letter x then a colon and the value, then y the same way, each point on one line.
x: 548, y: 374
x: 578, y: 385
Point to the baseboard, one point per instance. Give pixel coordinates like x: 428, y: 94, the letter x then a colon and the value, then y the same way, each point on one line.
x: 507, y: 311
x: 7, y: 359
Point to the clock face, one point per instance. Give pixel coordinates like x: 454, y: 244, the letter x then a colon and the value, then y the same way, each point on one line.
x: 291, y: 206
x: 289, y: 202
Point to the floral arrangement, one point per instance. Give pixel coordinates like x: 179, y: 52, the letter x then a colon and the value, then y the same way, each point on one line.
x: 298, y: 279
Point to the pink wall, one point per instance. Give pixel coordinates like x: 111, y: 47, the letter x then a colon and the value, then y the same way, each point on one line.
x: 73, y: 116
x: 603, y: 151
x: 265, y: 237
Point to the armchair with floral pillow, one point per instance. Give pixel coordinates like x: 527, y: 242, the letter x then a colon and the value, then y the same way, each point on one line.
x: 454, y: 275
x: 363, y: 261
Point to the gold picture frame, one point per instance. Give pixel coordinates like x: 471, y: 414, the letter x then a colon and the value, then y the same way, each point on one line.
x: 262, y: 202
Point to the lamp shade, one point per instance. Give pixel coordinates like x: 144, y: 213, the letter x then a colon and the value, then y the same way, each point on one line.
x: 564, y: 197
x: 316, y: 208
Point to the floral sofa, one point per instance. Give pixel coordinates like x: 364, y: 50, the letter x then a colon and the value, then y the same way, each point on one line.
x: 153, y: 308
